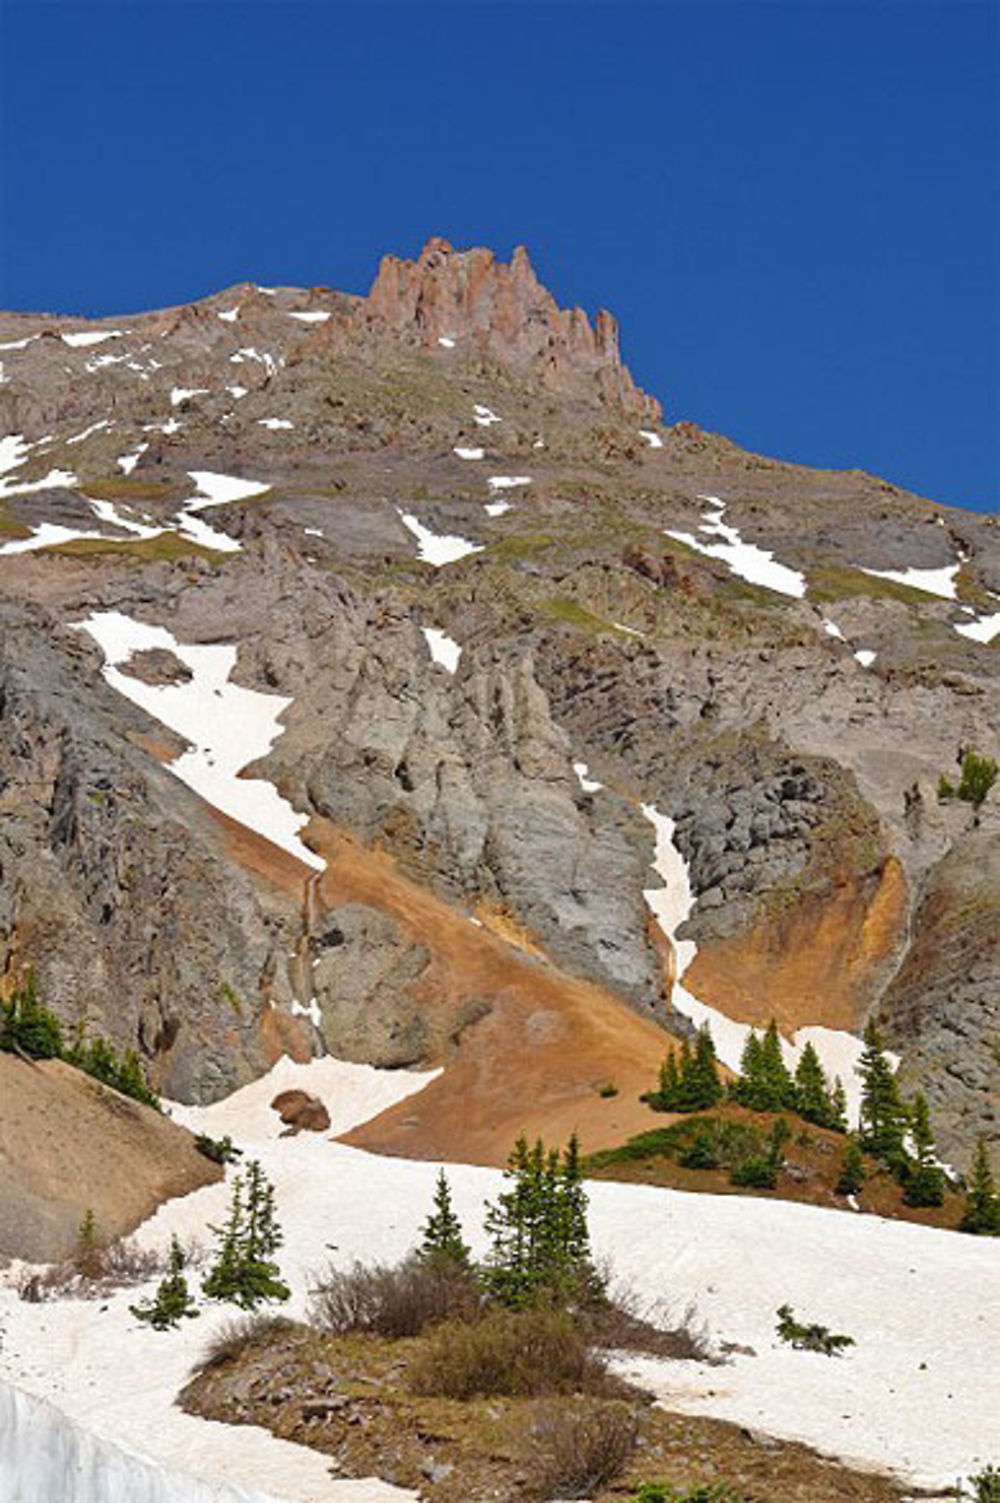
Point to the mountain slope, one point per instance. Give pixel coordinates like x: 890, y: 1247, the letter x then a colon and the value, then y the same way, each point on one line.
x: 611, y: 595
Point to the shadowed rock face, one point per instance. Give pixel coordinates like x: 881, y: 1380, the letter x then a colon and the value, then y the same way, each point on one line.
x: 830, y: 880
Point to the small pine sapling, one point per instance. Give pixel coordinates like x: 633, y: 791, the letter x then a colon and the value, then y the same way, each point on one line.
x: 172, y: 1301
x: 442, y: 1242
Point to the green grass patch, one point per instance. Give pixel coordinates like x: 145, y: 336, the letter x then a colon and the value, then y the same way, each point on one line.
x: 830, y: 582
x: 166, y: 547
x: 569, y: 612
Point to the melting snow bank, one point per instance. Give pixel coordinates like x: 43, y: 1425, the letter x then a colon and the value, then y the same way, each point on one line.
x: 46, y: 1458
x: 434, y: 547
x: 670, y: 905
x: 228, y: 726
x: 756, y: 565
x: 901, y: 1398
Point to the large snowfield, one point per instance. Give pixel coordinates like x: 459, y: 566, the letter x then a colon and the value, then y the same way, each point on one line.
x: 918, y: 1394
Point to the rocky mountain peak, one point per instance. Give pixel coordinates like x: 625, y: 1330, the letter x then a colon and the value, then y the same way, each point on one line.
x: 451, y: 296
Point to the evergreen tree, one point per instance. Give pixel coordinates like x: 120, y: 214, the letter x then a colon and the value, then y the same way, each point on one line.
x: 852, y: 1169
x: 87, y: 1255
x: 689, y: 1082
x: 172, y: 1301
x: 704, y: 1085
x: 538, y: 1226
x: 245, y: 1272
x: 812, y: 1091
x: 883, y: 1117
x: 838, y: 1106
x: 765, y: 1084
x: 442, y: 1240
x: 924, y: 1181
x: 982, y: 1202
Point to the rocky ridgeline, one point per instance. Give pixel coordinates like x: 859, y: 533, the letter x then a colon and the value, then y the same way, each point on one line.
x: 831, y: 881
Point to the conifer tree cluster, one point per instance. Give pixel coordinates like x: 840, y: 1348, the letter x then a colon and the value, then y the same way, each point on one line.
x: 689, y: 1082
x: 28, y: 1027
x: 540, y: 1242
x: 896, y: 1132
x: 244, y: 1272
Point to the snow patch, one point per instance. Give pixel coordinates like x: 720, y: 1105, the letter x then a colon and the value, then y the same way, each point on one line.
x: 983, y: 629
x: 865, y: 656
x: 446, y: 343
x: 312, y: 316
x: 496, y: 508
x: 483, y: 416
x: 274, y: 423
x: 442, y: 648
x: 940, y: 582
x: 87, y: 337
x: 228, y: 726
x: 128, y: 462
x: 437, y: 548
x: 464, y: 453
x: 832, y: 630
x: 230, y: 316
x: 237, y: 391
x: 756, y: 565
x: 94, y: 428
x: 587, y: 783
x: 653, y: 439
x: 507, y: 482
x: 181, y: 394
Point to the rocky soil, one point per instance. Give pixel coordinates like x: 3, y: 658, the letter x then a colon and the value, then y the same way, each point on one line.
x: 831, y: 881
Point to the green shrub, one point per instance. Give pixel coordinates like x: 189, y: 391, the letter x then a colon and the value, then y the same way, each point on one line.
x: 810, y: 1338
x: 977, y: 778
x: 27, y: 1027
x: 519, y: 1353
x: 986, y: 1485
x: 219, y: 1150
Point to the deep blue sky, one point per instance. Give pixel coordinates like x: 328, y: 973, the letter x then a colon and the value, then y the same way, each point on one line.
x: 791, y: 207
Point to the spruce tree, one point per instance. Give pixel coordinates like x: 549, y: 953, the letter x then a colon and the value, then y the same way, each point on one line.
x: 778, y: 1083
x: 852, y: 1169
x: 705, y: 1087
x: 668, y: 1094
x: 245, y: 1272
x: 883, y: 1117
x: 838, y: 1106
x: 812, y: 1090
x: 982, y: 1202
x: 924, y: 1181
x: 442, y: 1242
x: 540, y: 1243
x: 172, y: 1301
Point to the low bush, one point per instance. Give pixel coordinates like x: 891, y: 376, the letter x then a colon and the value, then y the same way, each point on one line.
x: 239, y: 1335
x: 572, y: 1453
x: 625, y: 1322
x: 985, y: 1485
x: 530, y: 1353
x: 95, y: 1268
x: 810, y: 1338
x: 403, y: 1300
x: 219, y: 1150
